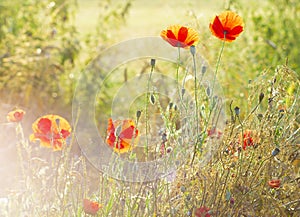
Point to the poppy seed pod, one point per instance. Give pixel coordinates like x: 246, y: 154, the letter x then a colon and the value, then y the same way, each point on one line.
x: 182, y: 92
x: 208, y: 91
x: 261, y: 96
x: 152, y: 99
x: 275, y: 151
x: 152, y: 63
x: 203, y: 69
x: 237, y: 111
x: 193, y: 50
x: 138, y: 114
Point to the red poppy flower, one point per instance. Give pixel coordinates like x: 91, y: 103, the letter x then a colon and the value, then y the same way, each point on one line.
x: 15, y: 115
x: 91, y: 207
x: 227, y: 26
x: 180, y: 36
x: 275, y: 183
x: 202, y: 212
x: 51, y: 130
x: 214, y: 133
x: 121, y: 135
x: 248, y: 139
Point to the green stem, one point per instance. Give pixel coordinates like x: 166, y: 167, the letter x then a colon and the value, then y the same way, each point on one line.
x: 146, y: 109
x: 217, y: 67
x: 177, y: 73
x: 196, y: 96
x: 196, y: 108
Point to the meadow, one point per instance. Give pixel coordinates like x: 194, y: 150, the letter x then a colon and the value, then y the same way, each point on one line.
x: 149, y: 108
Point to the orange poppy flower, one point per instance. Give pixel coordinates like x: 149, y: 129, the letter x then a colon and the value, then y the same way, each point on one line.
x: 180, y: 36
x: 121, y: 135
x: 51, y: 130
x: 275, y: 183
x: 91, y: 207
x: 15, y: 115
x: 227, y: 26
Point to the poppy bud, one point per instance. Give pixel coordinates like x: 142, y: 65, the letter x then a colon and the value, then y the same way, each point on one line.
x: 281, y: 113
x: 182, y: 91
x: 152, y: 99
x: 275, y: 151
x: 237, y: 111
x: 188, y: 197
x: 261, y: 96
x: 169, y: 150
x: 208, y: 91
x: 182, y: 188
x: 203, y: 69
x: 164, y: 137
x: 57, y: 120
x: 193, y: 50
x: 152, y: 63
x: 138, y: 114
x: 259, y: 116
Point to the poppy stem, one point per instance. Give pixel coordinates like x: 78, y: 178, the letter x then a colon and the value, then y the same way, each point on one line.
x: 147, y: 103
x: 196, y: 104
x: 177, y: 73
x: 19, y: 145
x: 217, y: 66
x: 196, y: 96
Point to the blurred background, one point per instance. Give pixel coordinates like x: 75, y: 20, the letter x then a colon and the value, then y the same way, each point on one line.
x: 44, y: 45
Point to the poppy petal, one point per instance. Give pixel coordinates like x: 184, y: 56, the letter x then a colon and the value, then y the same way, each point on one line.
x: 236, y: 30
x: 44, y: 125
x: 182, y: 34
x: 170, y: 35
x: 218, y: 27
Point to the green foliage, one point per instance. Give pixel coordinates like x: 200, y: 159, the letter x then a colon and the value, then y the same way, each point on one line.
x: 275, y: 30
x: 41, y: 51
x: 38, y: 45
